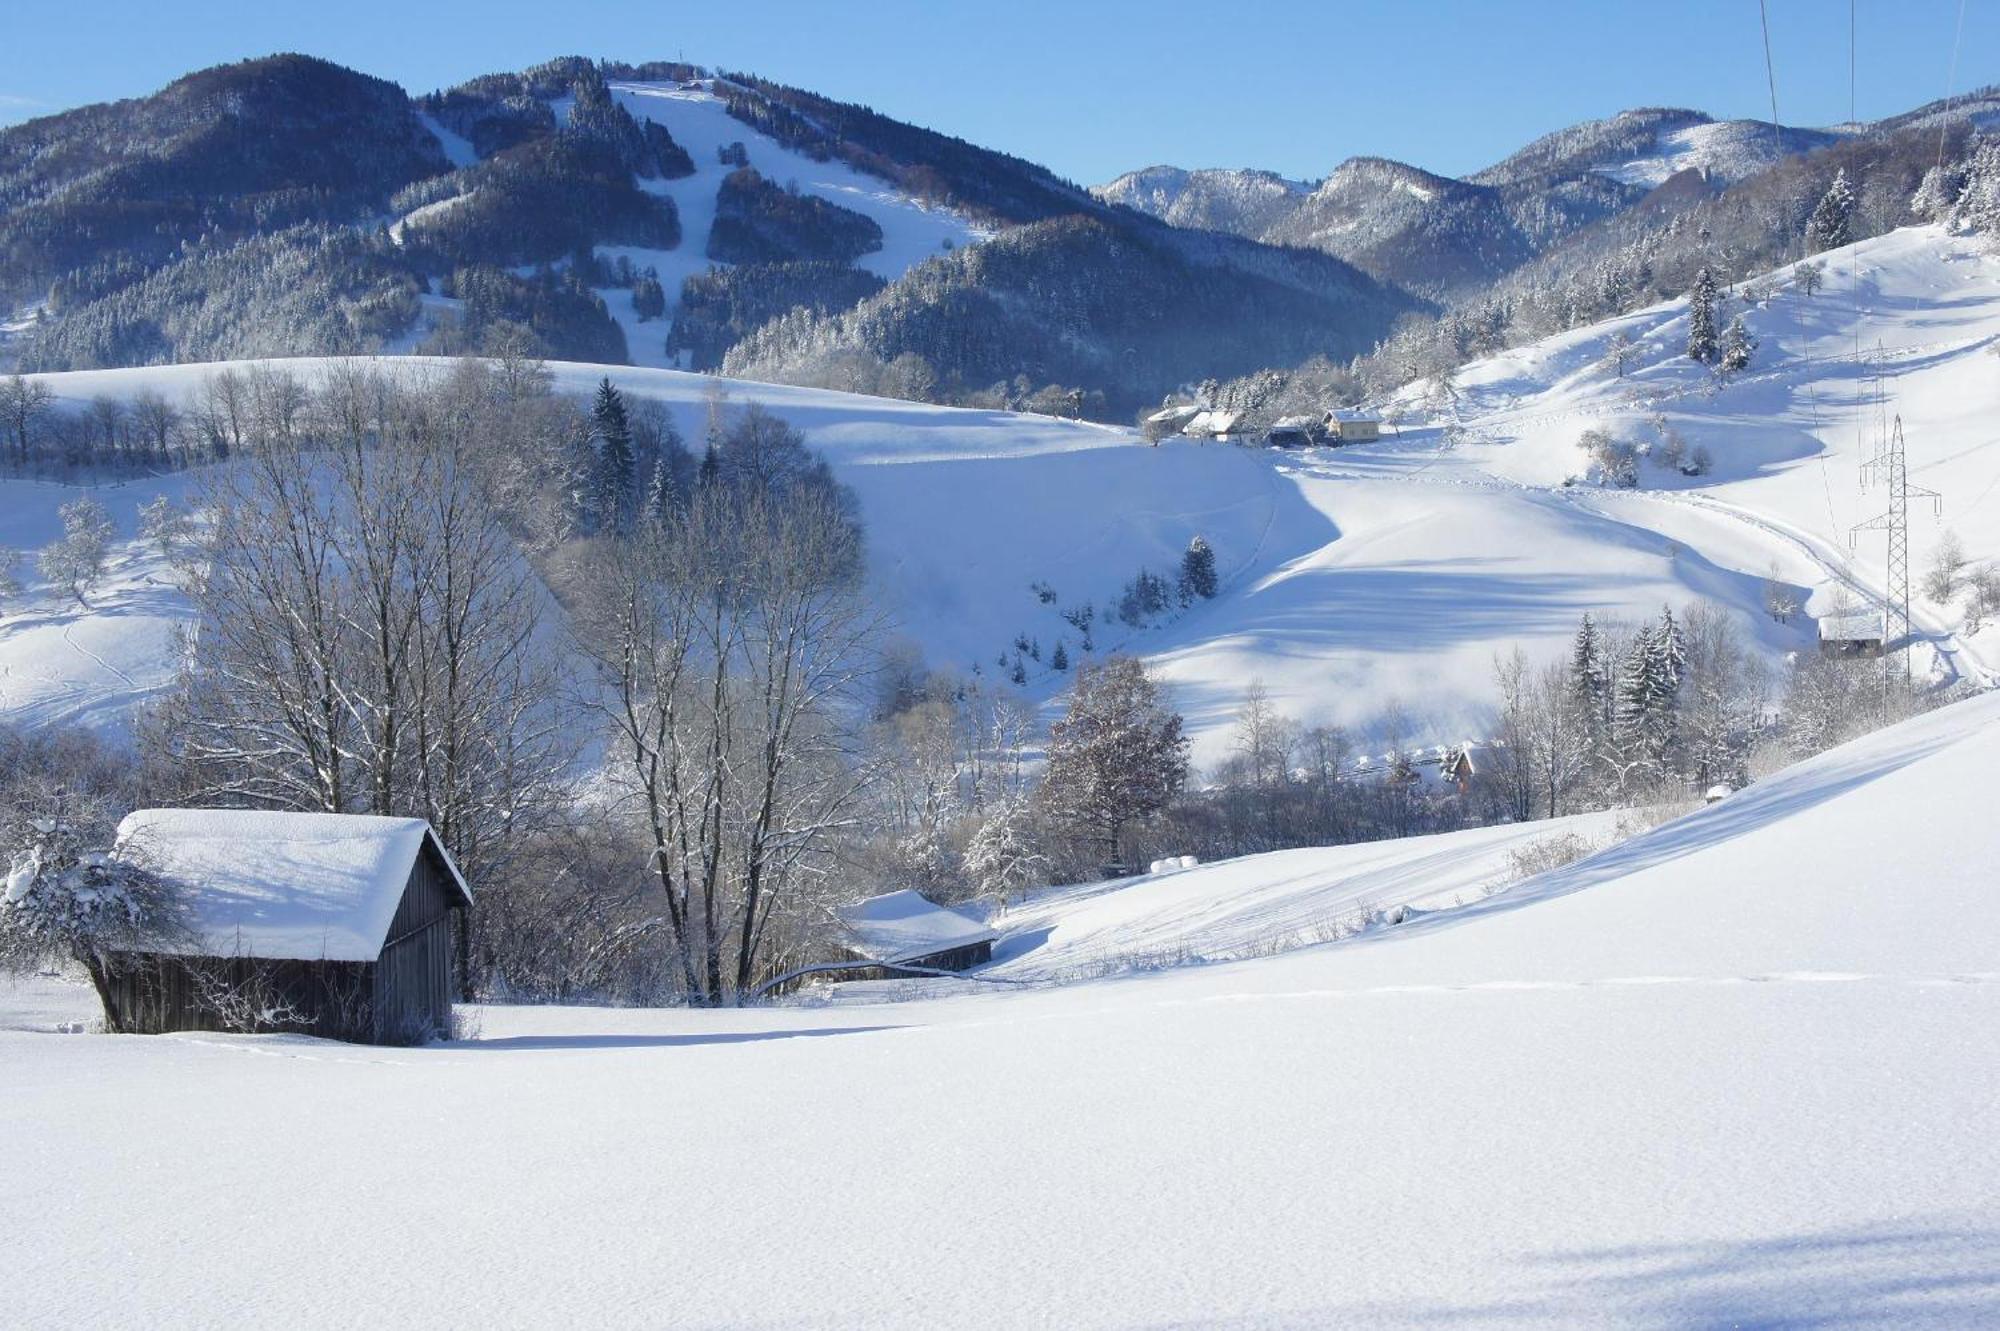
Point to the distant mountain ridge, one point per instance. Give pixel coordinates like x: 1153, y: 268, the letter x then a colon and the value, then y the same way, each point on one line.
x: 1444, y: 237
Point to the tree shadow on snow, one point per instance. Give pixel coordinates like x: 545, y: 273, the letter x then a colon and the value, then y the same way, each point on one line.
x: 1935, y: 1275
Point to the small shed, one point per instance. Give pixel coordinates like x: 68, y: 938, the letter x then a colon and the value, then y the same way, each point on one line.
x: 1345, y: 425
x: 901, y: 930
x: 323, y: 924
x: 1853, y: 633
x: 1295, y: 432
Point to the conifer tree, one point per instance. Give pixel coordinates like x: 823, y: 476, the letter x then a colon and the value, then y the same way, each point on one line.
x: 1587, y: 678
x: 659, y: 504
x: 649, y: 298
x: 1197, y: 572
x: 1831, y: 224
x: 1703, y: 345
x: 1737, y: 346
x: 613, y: 483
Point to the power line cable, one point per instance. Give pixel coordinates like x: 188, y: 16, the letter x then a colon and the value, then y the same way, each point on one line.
x: 1950, y: 83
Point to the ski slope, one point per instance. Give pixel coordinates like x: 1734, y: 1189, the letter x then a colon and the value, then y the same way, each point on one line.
x: 912, y: 231
x: 1738, y: 1071
x: 699, y: 120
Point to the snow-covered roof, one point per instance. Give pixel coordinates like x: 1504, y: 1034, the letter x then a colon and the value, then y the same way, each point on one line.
x: 1852, y: 626
x: 902, y: 926
x: 1175, y: 414
x: 1353, y: 415
x: 300, y: 886
x: 1214, y: 421
x: 1295, y: 423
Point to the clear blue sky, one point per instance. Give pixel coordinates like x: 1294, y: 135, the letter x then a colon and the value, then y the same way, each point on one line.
x: 1091, y: 89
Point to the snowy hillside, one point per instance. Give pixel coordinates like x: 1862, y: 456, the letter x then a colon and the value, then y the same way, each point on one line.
x: 1735, y: 1072
x: 1260, y: 904
x: 1906, y: 325
x: 1369, y: 588
x: 64, y: 663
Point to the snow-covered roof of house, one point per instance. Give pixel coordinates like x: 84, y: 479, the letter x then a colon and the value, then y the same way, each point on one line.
x: 1217, y: 420
x: 902, y: 926
x: 1353, y: 414
x: 1851, y: 626
x: 298, y: 886
x: 1179, y: 412
x: 1295, y: 423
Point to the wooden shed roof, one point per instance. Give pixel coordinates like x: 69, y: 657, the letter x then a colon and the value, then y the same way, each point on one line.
x: 290, y: 886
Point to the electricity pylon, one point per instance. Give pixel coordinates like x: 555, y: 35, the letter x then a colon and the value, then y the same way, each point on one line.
x: 1891, y: 467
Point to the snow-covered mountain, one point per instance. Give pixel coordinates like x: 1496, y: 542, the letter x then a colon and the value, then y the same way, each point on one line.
x: 1244, y: 203
x: 1445, y: 237
x: 654, y: 214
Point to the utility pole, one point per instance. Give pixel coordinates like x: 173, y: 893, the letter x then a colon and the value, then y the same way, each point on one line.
x: 1891, y: 468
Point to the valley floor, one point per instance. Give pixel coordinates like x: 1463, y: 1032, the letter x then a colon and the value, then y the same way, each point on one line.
x: 1740, y: 1070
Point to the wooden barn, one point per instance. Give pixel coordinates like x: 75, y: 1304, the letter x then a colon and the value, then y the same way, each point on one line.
x: 323, y: 924
x: 899, y: 931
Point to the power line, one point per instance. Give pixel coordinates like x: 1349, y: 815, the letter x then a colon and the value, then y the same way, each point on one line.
x: 1950, y: 83
x: 1771, y: 77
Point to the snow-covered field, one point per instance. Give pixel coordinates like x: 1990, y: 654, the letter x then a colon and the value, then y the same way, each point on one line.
x: 1739, y: 1071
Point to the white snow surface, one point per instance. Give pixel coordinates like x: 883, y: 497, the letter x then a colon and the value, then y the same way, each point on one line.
x: 901, y: 926
x: 300, y: 886
x: 1739, y: 1071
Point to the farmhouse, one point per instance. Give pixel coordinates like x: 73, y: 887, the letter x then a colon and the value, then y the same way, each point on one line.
x: 1295, y: 432
x: 1215, y: 423
x: 324, y: 924
x: 1173, y: 419
x: 1348, y: 426
x: 1855, y: 633
x: 906, y: 933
